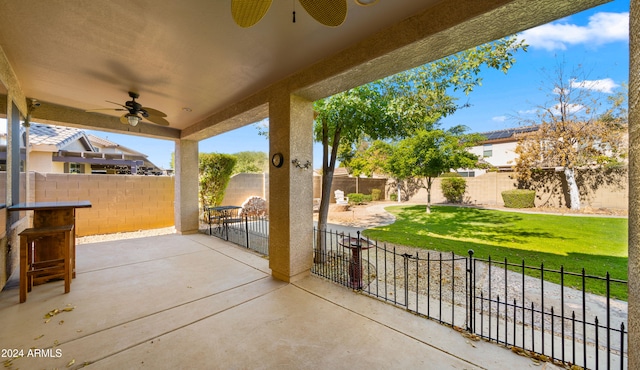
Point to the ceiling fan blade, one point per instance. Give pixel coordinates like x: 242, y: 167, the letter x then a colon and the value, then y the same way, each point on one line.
x: 112, y: 102
x: 247, y: 13
x: 158, y: 120
x: 331, y: 13
x: 154, y: 112
x: 101, y: 109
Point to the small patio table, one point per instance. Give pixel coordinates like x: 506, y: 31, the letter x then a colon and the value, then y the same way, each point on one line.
x: 356, y: 245
x: 223, y: 216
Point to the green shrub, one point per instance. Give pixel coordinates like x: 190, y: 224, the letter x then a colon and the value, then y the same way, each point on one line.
x: 393, y: 196
x: 375, y: 194
x: 519, y: 198
x: 215, y: 170
x: 357, y: 198
x: 453, y: 188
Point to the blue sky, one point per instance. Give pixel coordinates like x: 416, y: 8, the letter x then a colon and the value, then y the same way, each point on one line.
x: 597, y: 40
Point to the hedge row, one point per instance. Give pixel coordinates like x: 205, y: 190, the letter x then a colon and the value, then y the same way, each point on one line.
x: 519, y: 198
x: 357, y: 198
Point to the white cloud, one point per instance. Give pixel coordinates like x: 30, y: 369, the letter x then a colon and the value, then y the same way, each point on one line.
x: 605, y: 85
x: 602, y: 28
x: 569, y: 109
x: 527, y: 112
x: 499, y: 118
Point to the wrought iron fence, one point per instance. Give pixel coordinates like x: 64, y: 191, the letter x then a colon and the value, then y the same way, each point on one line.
x: 251, y: 232
x: 511, y: 304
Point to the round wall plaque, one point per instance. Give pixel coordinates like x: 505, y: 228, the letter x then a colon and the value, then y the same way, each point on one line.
x: 277, y: 160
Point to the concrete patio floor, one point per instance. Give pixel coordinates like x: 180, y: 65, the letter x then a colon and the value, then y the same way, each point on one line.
x: 194, y: 301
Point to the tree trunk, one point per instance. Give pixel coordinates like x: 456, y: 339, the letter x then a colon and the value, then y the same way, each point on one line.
x: 574, y: 193
x: 398, y: 188
x: 328, y: 165
x: 429, y: 182
x: 323, y: 213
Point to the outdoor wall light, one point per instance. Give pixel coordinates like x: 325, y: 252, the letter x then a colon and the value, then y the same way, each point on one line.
x: 298, y: 164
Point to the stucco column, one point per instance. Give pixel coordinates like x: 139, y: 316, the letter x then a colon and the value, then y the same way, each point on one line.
x: 290, y: 187
x: 634, y: 183
x: 186, y: 187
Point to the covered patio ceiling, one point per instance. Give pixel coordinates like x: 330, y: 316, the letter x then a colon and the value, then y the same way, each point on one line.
x: 190, y: 60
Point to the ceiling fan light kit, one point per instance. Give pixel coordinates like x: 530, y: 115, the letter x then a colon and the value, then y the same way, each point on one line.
x: 132, y: 119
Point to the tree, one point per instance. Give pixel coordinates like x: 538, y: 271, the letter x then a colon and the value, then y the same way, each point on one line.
x: 397, y: 106
x: 430, y: 153
x: 574, y: 132
x: 215, y: 170
x: 344, y: 117
x: 251, y: 162
x: 370, y: 159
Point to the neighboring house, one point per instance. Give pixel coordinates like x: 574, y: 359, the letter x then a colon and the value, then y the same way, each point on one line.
x: 58, y: 149
x: 498, y: 150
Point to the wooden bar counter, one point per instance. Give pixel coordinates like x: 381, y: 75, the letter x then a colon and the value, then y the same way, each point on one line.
x: 47, y: 214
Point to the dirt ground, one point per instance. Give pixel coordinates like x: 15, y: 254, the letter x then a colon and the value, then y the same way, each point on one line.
x: 365, y: 216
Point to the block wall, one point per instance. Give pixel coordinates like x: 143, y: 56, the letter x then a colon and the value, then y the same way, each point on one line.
x: 120, y: 203
x: 244, y: 185
x: 487, y: 189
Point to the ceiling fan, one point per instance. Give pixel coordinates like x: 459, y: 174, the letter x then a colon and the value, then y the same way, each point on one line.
x: 136, y: 112
x: 333, y: 13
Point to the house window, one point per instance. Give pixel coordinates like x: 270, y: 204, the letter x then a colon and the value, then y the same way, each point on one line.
x: 487, y: 150
x: 467, y: 173
x: 71, y: 167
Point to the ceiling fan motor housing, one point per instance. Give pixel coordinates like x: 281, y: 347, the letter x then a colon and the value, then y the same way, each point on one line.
x: 135, y: 107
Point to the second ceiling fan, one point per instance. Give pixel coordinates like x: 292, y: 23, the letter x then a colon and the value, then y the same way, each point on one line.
x: 136, y: 112
x: 332, y: 13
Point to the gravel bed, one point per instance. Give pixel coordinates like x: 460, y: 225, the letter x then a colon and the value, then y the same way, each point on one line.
x: 127, y: 235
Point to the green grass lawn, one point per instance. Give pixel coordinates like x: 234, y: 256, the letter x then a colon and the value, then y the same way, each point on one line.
x: 597, y: 244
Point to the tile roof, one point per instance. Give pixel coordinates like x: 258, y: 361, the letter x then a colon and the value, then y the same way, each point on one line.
x: 60, y: 136
x: 102, y: 141
x: 106, y: 143
x: 508, y: 132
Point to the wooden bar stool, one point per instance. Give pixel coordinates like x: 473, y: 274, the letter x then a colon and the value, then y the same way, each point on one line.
x: 32, y: 268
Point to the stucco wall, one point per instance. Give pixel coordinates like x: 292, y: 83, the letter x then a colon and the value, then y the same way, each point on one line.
x: 120, y: 203
x: 41, y: 162
x: 502, y: 154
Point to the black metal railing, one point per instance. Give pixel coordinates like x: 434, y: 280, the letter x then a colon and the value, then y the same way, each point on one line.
x: 511, y: 304
x: 251, y: 232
